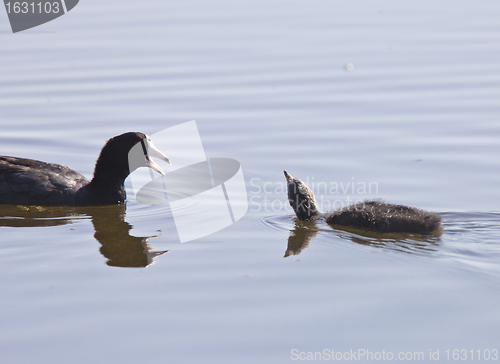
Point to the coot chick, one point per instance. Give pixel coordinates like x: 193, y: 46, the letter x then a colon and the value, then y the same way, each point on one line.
x: 373, y: 215
x: 31, y: 182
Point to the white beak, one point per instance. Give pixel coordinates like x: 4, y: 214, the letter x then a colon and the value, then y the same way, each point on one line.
x: 154, y: 152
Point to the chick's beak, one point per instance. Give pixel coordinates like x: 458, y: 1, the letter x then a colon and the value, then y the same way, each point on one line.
x: 287, y: 176
x: 152, y: 151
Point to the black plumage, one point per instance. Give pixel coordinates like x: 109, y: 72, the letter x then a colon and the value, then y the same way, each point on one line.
x: 32, y: 182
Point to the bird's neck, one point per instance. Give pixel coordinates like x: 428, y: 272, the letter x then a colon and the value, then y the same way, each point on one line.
x: 109, y: 191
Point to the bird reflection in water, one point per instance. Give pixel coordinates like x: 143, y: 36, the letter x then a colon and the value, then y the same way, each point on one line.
x: 300, y: 236
x: 111, y: 230
x: 304, y: 231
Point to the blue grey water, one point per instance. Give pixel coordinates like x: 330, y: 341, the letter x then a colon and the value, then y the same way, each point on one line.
x: 416, y: 122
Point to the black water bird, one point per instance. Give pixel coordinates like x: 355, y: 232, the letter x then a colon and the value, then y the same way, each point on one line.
x: 375, y: 215
x: 31, y: 182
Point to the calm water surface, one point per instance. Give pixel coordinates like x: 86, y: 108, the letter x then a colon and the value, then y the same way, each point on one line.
x: 417, y: 122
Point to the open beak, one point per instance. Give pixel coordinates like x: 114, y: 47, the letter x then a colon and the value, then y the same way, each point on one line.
x: 287, y: 176
x: 152, y: 151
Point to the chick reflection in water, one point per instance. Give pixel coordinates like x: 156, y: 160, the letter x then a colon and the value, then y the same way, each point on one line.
x: 300, y: 237
x: 111, y: 231
x: 304, y: 231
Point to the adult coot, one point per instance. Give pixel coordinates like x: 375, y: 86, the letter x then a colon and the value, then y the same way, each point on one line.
x: 31, y: 182
x: 374, y: 215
